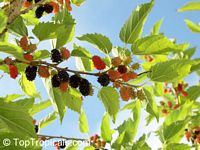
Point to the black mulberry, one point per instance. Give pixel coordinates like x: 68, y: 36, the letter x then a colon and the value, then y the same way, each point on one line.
x: 31, y: 72
x: 103, y: 79
x: 56, y: 56
x: 84, y: 87
x: 55, y: 81
x: 74, y: 81
x: 63, y: 76
x: 39, y: 11
x: 48, y: 8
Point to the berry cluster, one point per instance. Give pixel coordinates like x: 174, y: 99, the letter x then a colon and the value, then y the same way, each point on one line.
x: 193, y: 135
x: 62, y: 80
x: 28, y: 48
x: 168, y: 106
x: 128, y: 93
x: 120, y: 72
x: 175, y: 90
x: 50, y: 7
x: 95, y: 140
x: 60, y: 145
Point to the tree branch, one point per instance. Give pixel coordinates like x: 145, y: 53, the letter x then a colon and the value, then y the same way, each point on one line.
x: 55, y: 66
x: 13, y: 12
x: 48, y: 137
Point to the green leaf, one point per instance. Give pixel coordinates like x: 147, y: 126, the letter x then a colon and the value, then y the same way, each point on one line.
x: 47, y: 120
x: 151, y: 103
x: 118, y: 143
x: 179, y: 114
x: 139, y: 79
x: 133, y: 27
x: 28, y: 87
x: 83, y: 123
x: 83, y: 58
x: 3, y: 21
x: 128, y: 130
x: 57, y: 98
x: 176, y: 146
x: 39, y: 107
x: 12, y: 97
x: 110, y: 98
x: 29, y: 18
x: 156, y: 28
x: 106, y: 131
x: 191, y: 6
x: 11, y: 49
x: 26, y: 103
x: 79, y: 51
x: 170, y: 71
x: 100, y: 41
x: 64, y: 35
x: 19, y: 27
x: 189, y: 53
x: 136, y: 116
x: 63, y: 32
x: 158, y: 89
x: 129, y: 106
x: 192, y: 26
x: 78, y: 2
x: 15, y: 121
x: 121, y: 52
x: 84, y: 64
x: 73, y: 100
x: 89, y: 148
x: 172, y: 133
x: 193, y: 93
x: 141, y: 144
x: 149, y: 118
x: 156, y: 44
x: 196, y: 65
x: 127, y: 126
x: 46, y: 31
x: 41, y: 54
x: 66, y: 32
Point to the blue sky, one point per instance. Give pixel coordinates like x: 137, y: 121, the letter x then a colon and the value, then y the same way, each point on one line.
x: 107, y: 17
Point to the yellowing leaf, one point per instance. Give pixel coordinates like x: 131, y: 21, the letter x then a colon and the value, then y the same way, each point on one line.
x: 28, y: 87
